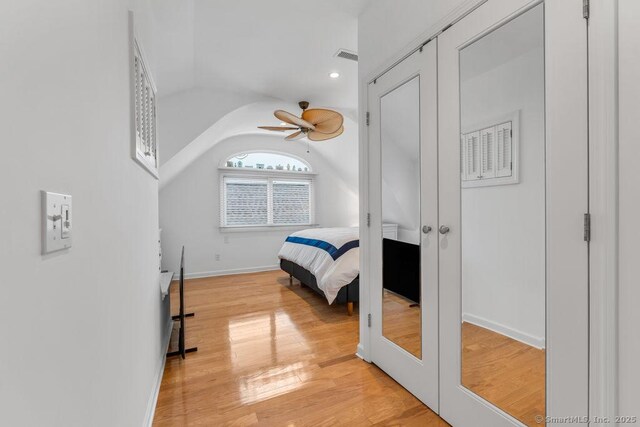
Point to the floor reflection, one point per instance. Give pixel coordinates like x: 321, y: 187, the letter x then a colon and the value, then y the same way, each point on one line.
x: 401, y: 322
x: 256, y: 339
x: 271, y: 382
x: 505, y: 372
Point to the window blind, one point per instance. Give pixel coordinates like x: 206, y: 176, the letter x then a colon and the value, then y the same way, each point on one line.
x: 246, y: 202
x: 265, y: 201
x: 291, y: 202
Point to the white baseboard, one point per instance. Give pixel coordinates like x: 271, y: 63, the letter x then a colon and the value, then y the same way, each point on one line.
x: 360, y: 352
x: 155, y: 392
x: 204, y: 274
x: 533, y: 341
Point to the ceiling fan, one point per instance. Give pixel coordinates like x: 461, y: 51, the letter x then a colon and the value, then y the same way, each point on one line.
x: 317, y: 124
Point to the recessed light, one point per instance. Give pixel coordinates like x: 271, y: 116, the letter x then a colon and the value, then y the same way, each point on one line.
x: 284, y: 124
x: 334, y: 75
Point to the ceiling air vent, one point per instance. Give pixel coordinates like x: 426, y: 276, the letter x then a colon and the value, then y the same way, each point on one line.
x: 347, y: 54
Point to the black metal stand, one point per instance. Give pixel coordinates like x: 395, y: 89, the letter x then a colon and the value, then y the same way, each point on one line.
x: 182, y: 350
x: 177, y: 316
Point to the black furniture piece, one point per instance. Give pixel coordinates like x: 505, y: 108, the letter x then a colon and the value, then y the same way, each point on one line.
x: 401, y: 268
x: 182, y: 350
x: 348, y: 294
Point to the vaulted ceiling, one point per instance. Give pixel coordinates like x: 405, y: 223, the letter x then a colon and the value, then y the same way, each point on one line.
x: 223, y: 66
x: 278, y: 48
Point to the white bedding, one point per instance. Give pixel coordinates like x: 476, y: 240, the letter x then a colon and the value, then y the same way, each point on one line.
x: 338, y: 243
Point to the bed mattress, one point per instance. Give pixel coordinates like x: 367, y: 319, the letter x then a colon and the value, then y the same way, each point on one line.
x: 330, y: 254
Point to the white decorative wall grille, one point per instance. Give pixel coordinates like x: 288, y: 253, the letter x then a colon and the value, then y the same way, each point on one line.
x: 143, y: 106
x: 489, y: 153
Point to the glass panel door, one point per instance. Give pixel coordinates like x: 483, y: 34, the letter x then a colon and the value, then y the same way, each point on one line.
x: 403, y: 203
x: 513, y: 184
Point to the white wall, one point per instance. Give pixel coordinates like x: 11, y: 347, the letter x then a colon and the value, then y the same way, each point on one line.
x: 190, y: 209
x: 629, y: 210
x: 81, y: 336
x: 184, y: 115
x: 503, y: 239
x: 170, y: 24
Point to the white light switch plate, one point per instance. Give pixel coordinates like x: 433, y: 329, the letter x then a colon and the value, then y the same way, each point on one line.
x: 57, y: 222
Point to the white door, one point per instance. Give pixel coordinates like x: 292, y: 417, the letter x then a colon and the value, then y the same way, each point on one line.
x: 513, y: 193
x: 403, y: 238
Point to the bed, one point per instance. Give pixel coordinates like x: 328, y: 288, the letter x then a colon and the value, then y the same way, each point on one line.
x: 325, y: 260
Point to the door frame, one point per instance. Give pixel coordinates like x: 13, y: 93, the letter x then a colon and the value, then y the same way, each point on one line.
x: 603, y: 206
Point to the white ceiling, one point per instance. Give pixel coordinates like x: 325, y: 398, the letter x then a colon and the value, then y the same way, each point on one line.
x: 277, y: 48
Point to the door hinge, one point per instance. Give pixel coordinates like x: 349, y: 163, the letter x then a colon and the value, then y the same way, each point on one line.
x: 369, y: 320
x: 368, y: 118
x: 585, y: 9
x: 368, y: 220
x: 587, y: 227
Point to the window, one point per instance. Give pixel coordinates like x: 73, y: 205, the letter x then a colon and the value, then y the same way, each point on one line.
x: 267, y: 195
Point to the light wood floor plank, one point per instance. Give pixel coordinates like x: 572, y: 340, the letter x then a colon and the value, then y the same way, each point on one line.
x: 270, y: 354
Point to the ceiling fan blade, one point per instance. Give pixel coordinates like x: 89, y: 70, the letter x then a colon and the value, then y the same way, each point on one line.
x: 291, y: 119
x: 325, y: 121
x: 295, y: 136
x: 317, y: 136
x: 277, y: 128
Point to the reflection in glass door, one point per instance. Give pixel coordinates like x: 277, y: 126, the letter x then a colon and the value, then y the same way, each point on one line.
x: 400, y: 142
x: 503, y: 217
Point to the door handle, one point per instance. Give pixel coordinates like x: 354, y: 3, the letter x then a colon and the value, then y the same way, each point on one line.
x: 444, y: 229
x: 426, y: 229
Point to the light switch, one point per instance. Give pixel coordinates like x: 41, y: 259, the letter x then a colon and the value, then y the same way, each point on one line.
x: 57, y: 222
x: 66, y: 221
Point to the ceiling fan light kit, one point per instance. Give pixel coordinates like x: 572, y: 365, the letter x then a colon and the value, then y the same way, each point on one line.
x: 317, y: 124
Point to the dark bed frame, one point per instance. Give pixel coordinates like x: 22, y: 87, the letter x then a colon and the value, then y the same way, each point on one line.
x: 348, y: 294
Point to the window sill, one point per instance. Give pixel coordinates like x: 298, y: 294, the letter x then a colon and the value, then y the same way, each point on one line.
x: 254, y: 228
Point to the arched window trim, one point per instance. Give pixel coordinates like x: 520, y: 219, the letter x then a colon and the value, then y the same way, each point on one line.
x: 223, y: 163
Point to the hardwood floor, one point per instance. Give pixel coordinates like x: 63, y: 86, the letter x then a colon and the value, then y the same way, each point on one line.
x: 271, y: 354
x: 274, y: 355
x: 506, y: 372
